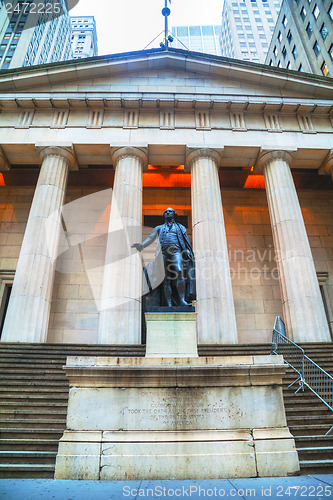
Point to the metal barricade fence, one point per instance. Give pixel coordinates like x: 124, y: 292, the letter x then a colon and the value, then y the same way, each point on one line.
x: 310, y: 374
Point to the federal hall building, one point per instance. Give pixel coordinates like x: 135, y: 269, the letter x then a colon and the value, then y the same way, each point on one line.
x: 93, y: 151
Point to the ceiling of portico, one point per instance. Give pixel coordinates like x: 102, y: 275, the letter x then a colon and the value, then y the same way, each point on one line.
x: 99, y: 155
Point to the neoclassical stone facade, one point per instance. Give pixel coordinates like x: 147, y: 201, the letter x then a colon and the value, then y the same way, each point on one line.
x: 93, y: 151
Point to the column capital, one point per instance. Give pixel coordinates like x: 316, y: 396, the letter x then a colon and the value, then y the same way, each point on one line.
x: 266, y: 156
x: 130, y: 151
x: 4, y: 164
x: 63, y: 151
x: 327, y: 165
x: 193, y: 154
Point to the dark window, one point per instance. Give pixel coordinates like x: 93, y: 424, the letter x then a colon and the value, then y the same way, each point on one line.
x: 284, y: 52
x: 294, y: 52
x: 289, y: 36
x: 303, y: 13
x: 279, y: 36
x: 316, y: 48
x: 331, y: 51
x: 324, y: 69
x: 300, y: 68
x: 284, y: 21
x: 323, y: 31
x: 330, y: 11
x: 309, y: 30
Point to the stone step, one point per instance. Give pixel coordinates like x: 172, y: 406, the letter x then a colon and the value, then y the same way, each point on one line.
x: 29, y: 445
x: 34, y: 423
x: 13, y: 415
x: 18, y: 390
x: 27, y: 457
x: 31, y: 471
x: 316, y: 429
x: 314, y: 441
x: 28, y: 405
x: 313, y: 453
x: 316, y: 466
x: 30, y: 433
x: 307, y: 410
x: 35, y: 383
x: 308, y: 419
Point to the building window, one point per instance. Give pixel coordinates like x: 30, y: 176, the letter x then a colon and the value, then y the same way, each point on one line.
x: 331, y: 51
x: 324, y: 69
x: 275, y: 51
x: 300, y: 68
x: 288, y: 65
x: 303, y: 13
x: 294, y: 52
x: 323, y: 31
x: 330, y: 11
x: 289, y: 36
x: 284, y: 52
x: 316, y: 12
x: 309, y: 30
x: 284, y: 21
x: 280, y: 36
x: 316, y: 48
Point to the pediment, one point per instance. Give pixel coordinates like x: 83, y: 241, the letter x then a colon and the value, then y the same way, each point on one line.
x: 160, y: 72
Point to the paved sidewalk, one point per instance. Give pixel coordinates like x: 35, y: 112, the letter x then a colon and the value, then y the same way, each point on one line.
x: 314, y: 486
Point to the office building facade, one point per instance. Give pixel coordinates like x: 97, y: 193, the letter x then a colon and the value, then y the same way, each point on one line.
x: 303, y: 37
x: 197, y: 38
x: 84, y: 37
x: 247, y: 28
x: 28, y: 38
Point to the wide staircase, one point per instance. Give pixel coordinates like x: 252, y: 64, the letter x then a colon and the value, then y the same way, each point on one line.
x: 34, y: 396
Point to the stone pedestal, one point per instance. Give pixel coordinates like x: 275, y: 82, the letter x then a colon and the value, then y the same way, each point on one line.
x: 171, y: 335
x: 175, y: 418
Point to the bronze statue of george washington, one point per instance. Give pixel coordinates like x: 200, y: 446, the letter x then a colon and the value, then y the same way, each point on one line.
x: 178, y: 259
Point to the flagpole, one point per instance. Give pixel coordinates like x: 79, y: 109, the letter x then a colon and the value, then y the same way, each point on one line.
x: 166, y: 13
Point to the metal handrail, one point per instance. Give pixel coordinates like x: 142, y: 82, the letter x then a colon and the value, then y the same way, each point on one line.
x: 310, y: 374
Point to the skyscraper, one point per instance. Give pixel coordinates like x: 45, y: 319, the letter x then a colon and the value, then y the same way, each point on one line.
x: 247, y: 27
x: 303, y: 37
x: 30, y: 36
x: 197, y: 38
x: 84, y: 37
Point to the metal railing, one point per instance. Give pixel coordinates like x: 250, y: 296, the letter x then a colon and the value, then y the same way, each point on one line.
x: 310, y: 374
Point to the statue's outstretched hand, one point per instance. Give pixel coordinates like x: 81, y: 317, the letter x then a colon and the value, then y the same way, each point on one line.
x: 138, y: 246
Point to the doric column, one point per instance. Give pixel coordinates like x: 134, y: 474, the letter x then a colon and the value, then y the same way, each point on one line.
x: 29, y: 306
x: 120, y: 311
x: 215, y: 304
x: 303, y: 308
x: 327, y: 167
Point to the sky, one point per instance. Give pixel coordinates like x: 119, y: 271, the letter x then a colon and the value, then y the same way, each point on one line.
x: 128, y: 25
